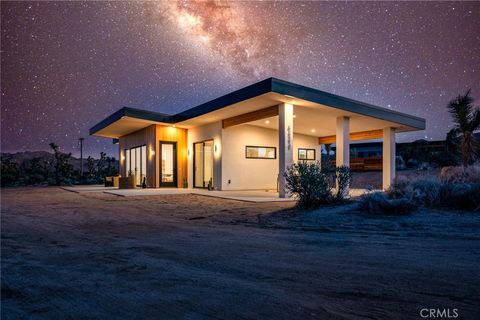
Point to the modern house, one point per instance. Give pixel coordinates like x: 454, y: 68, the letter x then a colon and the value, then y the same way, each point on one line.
x: 246, y: 139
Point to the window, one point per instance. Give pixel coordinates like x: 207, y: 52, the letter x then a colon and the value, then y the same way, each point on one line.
x: 306, y: 154
x: 254, y: 152
x: 136, y: 163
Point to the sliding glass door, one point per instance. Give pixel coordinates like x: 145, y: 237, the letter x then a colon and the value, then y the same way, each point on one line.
x: 136, y: 163
x: 203, y: 164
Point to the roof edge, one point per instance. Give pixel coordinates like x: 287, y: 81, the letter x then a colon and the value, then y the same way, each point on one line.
x: 133, y: 113
x: 329, y: 99
x: 245, y: 93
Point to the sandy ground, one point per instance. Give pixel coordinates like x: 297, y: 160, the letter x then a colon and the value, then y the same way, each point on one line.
x: 98, y: 256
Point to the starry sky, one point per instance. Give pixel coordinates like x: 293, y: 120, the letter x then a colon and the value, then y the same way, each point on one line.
x: 67, y: 65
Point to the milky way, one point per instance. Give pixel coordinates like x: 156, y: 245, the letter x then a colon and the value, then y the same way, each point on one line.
x: 67, y: 65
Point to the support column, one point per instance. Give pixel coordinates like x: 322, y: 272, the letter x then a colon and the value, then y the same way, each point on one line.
x: 285, y: 145
x: 388, y: 170
x: 343, y: 141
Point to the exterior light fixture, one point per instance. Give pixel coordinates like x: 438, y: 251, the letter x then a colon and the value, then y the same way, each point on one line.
x: 215, y: 147
x: 294, y: 116
x: 313, y: 130
x: 267, y: 121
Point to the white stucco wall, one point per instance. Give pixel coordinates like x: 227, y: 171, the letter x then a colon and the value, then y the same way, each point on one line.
x: 202, y: 133
x: 255, y: 174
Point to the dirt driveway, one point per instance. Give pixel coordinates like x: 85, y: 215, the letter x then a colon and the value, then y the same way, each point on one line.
x: 97, y: 256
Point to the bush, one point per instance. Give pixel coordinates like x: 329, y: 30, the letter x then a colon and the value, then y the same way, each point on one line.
x: 437, y: 193
x: 460, y: 174
x: 309, y: 184
x: 378, y: 203
x: 461, y: 196
x: 343, y: 176
x: 313, y: 185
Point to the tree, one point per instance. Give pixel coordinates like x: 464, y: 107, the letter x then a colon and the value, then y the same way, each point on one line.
x: 62, y: 167
x: 91, y: 166
x: 101, y: 165
x: 467, y: 120
x: 9, y: 172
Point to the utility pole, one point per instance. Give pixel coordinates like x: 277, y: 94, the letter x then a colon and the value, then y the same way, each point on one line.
x: 81, y: 156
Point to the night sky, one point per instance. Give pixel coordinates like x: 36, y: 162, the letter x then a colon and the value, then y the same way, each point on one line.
x: 67, y: 65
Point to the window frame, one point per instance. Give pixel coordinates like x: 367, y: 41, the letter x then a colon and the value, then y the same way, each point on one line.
x: 263, y: 158
x: 306, y: 154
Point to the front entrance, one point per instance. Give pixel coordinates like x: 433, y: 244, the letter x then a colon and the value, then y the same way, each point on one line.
x: 168, y: 164
x: 203, y: 164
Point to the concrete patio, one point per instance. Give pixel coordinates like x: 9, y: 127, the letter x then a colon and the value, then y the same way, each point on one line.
x: 258, y: 196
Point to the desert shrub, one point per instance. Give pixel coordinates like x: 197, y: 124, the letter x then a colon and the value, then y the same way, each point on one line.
x: 313, y: 184
x: 425, y: 192
x: 461, y: 196
x: 343, y: 176
x: 9, y: 172
x: 309, y: 184
x: 460, y: 174
x: 437, y: 193
x: 378, y: 203
x: 398, y: 187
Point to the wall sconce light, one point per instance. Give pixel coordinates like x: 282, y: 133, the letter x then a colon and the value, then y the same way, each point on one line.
x: 151, y: 152
x: 215, y: 147
x: 188, y: 152
x: 122, y: 157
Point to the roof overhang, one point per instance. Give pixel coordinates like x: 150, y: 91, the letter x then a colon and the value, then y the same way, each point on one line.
x: 127, y: 120
x: 258, y: 96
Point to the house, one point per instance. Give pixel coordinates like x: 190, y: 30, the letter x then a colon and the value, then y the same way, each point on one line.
x: 246, y: 139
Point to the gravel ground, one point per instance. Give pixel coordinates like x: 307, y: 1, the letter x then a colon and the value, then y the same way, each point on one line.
x: 98, y: 256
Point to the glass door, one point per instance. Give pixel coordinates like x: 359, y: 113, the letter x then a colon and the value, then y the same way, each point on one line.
x: 136, y: 163
x: 168, y: 164
x: 203, y: 163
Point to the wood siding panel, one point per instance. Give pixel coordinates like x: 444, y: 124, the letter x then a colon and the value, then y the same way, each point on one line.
x: 251, y: 116
x: 355, y: 136
x: 178, y: 135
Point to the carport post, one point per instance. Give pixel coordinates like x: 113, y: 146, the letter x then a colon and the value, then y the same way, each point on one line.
x: 285, y: 145
x: 388, y: 169
x: 343, y: 142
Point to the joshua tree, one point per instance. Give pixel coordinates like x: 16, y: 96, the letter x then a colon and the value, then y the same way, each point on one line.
x: 467, y: 120
x: 63, y: 168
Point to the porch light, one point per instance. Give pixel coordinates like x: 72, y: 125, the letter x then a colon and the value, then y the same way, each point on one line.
x: 151, y: 152
x: 215, y: 147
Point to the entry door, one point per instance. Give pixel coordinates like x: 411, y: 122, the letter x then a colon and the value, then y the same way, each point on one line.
x: 168, y: 164
x: 203, y: 163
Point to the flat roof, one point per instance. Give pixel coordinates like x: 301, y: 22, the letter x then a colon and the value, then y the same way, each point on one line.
x: 262, y: 87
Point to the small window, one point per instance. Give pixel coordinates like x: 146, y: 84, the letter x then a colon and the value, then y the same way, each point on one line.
x: 306, y: 154
x: 254, y: 152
